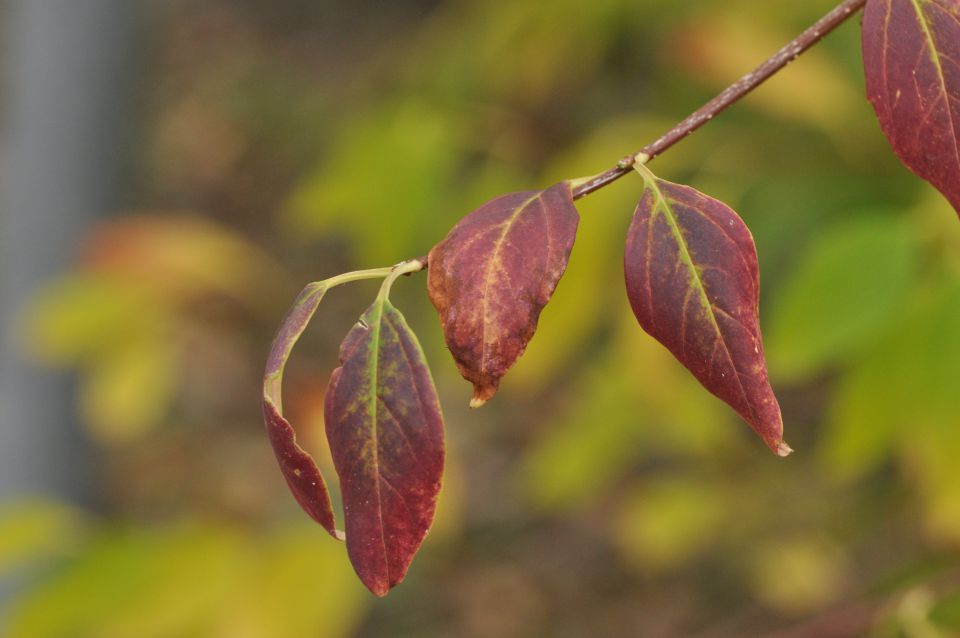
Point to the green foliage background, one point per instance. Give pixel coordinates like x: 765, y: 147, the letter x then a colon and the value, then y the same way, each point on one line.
x: 602, y: 493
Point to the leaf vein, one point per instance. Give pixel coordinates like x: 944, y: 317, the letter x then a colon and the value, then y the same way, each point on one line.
x: 695, y: 279
x: 935, y: 56
x: 494, y: 256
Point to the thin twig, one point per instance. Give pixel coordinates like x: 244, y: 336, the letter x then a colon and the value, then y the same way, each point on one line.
x: 729, y: 96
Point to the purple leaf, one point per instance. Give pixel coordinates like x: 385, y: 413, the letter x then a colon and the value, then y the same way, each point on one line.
x: 911, y: 55
x: 694, y: 284
x: 492, y: 275
x: 298, y: 467
x: 385, y: 431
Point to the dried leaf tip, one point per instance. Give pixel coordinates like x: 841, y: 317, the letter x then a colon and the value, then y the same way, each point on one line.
x: 783, y: 450
x: 479, y: 398
x: 483, y: 391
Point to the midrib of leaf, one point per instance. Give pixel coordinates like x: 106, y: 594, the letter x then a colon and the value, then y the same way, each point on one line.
x: 651, y: 182
x: 374, y: 369
x: 935, y: 56
x: 486, y: 278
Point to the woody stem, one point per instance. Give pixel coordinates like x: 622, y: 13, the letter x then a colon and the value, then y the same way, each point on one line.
x: 729, y: 96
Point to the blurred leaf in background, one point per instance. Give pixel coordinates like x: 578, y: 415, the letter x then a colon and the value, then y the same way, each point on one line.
x: 603, y: 492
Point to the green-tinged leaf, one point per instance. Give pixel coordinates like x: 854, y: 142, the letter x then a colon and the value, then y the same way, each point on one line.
x: 798, y: 575
x: 182, y: 256
x: 935, y: 342
x: 150, y: 584
x: 385, y: 431
x: 901, y: 396
x: 576, y: 461
x: 296, y: 586
x: 848, y: 290
x: 930, y: 411
x: 862, y: 425
x: 662, y: 525
x: 192, y: 580
x: 930, y: 458
x: 128, y: 390
x: 82, y: 315
x: 880, y: 398
x: 946, y: 612
x: 417, y: 144
x: 36, y: 530
x: 694, y: 285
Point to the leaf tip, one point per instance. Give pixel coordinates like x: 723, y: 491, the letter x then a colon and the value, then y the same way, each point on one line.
x: 299, y: 469
x: 379, y: 584
x: 380, y: 590
x: 482, y: 394
x: 783, y: 450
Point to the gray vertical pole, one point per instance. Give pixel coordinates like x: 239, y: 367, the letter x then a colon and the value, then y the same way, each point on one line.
x: 62, y: 138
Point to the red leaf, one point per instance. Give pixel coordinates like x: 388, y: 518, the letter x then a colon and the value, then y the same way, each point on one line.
x: 911, y: 54
x: 298, y: 467
x: 492, y: 275
x: 385, y: 432
x: 694, y: 284
x: 300, y: 470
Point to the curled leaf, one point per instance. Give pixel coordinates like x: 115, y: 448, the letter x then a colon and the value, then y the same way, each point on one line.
x: 298, y: 467
x: 693, y: 283
x: 385, y: 432
x: 492, y: 275
x: 911, y: 55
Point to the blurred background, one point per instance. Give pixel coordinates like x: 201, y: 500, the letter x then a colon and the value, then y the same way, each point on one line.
x: 173, y: 172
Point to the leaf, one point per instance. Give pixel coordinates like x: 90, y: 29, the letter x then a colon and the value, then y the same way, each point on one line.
x: 188, y: 578
x: 847, y: 291
x: 295, y: 586
x: 76, y: 318
x: 298, y: 467
x: 799, y: 574
x: 182, y: 257
x: 694, y: 285
x: 127, y: 391
x: 669, y: 415
x: 911, y: 54
x: 667, y: 522
x: 333, y: 198
x: 492, y: 275
x: 385, y: 432
x: 150, y: 582
x: 35, y: 530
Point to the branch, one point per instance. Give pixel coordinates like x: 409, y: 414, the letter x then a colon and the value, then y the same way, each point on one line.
x: 729, y: 96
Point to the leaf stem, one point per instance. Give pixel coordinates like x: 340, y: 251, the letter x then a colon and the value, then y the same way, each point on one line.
x: 302, y: 312
x: 729, y: 96
x: 403, y: 268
